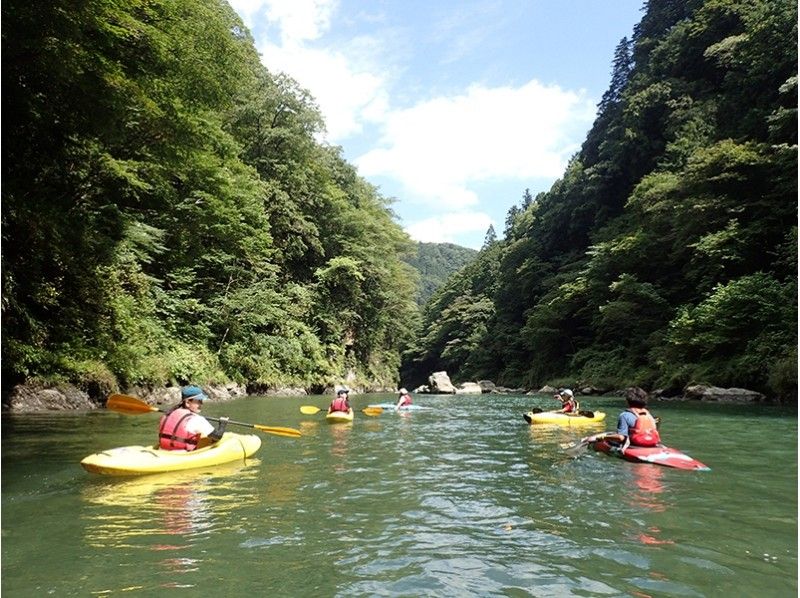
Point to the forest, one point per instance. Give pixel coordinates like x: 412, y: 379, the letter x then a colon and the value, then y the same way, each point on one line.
x: 667, y: 252
x: 169, y: 215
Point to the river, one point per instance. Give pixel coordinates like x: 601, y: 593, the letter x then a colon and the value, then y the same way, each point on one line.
x: 464, y: 499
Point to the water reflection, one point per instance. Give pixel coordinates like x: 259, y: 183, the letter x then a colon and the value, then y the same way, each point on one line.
x: 647, y: 492
x: 339, y: 447
x: 164, y: 511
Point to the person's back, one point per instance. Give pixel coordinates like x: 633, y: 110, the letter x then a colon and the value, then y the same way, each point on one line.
x: 404, y: 399
x: 644, y: 431
x: 635, y: 427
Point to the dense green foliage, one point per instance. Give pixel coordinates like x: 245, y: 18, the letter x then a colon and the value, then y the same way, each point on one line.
x: 169, y: 216
x: 667, y: 252
x: 436, y: 262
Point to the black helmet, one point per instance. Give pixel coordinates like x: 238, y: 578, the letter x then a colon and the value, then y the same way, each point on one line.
x: 342, y: 391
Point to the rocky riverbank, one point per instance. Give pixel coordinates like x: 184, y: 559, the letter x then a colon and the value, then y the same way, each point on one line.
x: 32, y: 398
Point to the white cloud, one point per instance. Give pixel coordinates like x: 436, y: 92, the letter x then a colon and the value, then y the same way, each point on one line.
x: 447, y: 228
x: 346, y: 87
x: 298, y: 20
x: 437, y: 151
x: 438, y: 147
x: 346, y: 98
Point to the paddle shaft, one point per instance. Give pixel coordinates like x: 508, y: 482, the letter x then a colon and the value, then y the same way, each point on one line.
x: 134, y: 406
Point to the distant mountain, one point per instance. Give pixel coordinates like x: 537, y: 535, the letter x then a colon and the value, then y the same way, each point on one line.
x: 435, y: 262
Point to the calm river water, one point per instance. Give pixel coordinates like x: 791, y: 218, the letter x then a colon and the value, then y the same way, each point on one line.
x: 463, y: 500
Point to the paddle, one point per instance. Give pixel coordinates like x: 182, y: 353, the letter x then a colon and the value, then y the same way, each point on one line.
x: 133, y: 406
x: 577, y: 449
x: 311, y: 410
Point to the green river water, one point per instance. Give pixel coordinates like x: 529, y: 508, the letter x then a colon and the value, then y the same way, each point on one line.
x: 463, y: 500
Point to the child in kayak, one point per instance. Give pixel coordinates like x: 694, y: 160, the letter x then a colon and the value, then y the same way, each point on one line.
x: 568, y: 402
x: 341, y: 402
x: 182, y: 427
x: 405, y: 399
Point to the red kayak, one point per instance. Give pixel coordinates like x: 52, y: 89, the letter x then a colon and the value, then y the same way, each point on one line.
x: 660, y: 455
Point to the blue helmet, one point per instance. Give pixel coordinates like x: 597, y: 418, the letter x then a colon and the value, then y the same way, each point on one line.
x: 193, y: 392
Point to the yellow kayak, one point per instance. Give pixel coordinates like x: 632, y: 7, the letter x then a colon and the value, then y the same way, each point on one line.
x: 581, y: 418
x: 339, y: 417
x: 139, y: 460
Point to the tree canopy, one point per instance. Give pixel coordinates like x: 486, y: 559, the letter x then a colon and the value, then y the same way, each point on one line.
x: 667, y: 252
x: 168, y: 214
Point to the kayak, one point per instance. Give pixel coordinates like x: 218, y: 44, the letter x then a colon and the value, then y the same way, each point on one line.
x: 411, y: 407
x: 659, y: 455
x: 339, y: 417
x: 139, y: 460
x: 562, y: 419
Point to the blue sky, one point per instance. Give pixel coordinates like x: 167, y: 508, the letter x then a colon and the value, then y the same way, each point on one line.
x: 452, y: 108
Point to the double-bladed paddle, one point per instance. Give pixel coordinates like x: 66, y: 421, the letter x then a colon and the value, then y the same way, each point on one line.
x: 576, y: 449
x: 311, y: 410
x: 133, y: 406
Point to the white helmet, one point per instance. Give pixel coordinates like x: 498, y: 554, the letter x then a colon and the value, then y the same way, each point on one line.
x: 566, y: 392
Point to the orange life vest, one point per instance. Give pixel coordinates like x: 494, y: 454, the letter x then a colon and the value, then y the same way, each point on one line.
x: 571, y: 406
x: 172, y: 433
x: 644, y: 432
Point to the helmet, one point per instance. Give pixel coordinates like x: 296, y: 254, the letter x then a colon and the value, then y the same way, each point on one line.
x: 566, y: 392
x: 403, y: 391
x: 193, y: 392
x: 342, y: 391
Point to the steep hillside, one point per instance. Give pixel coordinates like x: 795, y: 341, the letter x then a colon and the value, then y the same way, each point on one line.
x: 435, y: 262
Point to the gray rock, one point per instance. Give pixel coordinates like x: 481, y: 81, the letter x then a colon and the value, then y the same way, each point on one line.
x: 469, y: 388
x: 26, y: 398
x: 439, y: 383
x: 725, y: 395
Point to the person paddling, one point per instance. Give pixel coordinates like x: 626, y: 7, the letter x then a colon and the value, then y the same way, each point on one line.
x: 568, y: 402
x: 341, y: 402
x: 403, y: 400
x: 635, y: 427
x: 182, y: 428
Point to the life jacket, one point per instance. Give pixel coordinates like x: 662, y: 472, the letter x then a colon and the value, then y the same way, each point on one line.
x: 571, y: 406
x: 644, y: 431
x: 172, y: 434
x: 339, y: 404
x: 406, y: 400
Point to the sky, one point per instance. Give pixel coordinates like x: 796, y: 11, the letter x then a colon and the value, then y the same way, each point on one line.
x: 451, y: 108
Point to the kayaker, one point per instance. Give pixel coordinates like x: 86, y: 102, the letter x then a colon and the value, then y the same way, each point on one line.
x: 635, y: 427
x: 568, y: 402
x: 403, y: 400
x: 341, y: 402
x: 182, y: 427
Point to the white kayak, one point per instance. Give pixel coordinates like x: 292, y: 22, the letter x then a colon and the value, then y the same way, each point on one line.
x: 411, y: 407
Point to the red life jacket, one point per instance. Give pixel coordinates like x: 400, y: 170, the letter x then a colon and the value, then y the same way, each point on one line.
x: 406, y: 400
x: 339, y: 404
x: 571, y: 406
x: 172, y: 434
x: 644, y: 431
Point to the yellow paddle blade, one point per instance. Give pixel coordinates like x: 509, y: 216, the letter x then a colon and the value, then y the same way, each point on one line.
x: 372, y: 410
x: 309, y: 409
x: 128, y: 405
x: 290, y: 432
